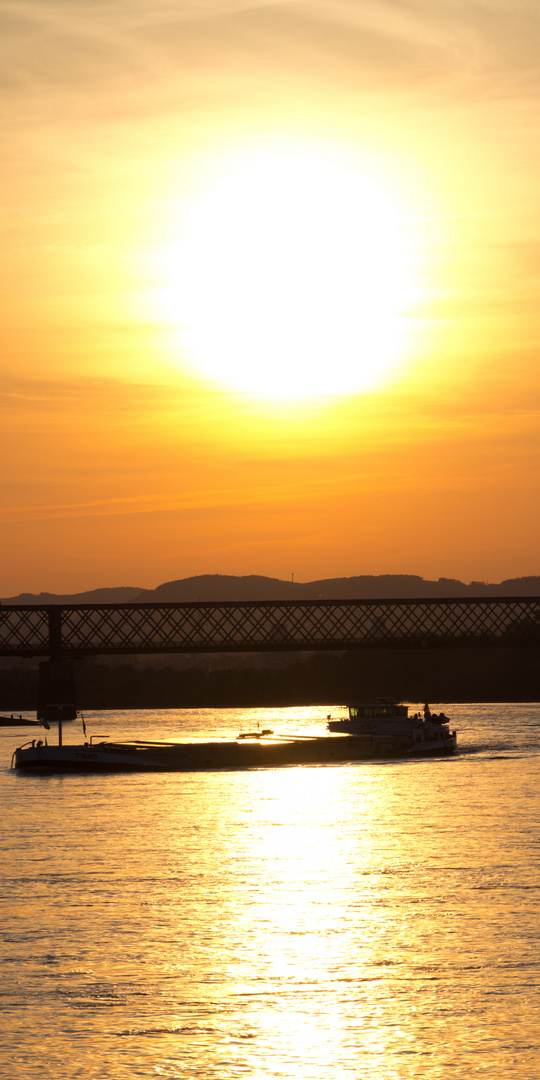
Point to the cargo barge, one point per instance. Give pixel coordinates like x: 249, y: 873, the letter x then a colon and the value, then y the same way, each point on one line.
x: 265, y: 752
x: 377, y: 738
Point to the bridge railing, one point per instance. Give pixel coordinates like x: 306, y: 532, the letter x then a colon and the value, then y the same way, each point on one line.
x: 265, y: 626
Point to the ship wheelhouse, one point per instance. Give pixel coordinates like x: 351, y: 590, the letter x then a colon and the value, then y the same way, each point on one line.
x: 378, y: 709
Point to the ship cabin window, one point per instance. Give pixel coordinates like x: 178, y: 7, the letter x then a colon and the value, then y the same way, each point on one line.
x: 371, y: 710
x: 356, y: 711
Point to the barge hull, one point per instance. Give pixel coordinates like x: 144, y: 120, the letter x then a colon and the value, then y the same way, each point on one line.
x: 197, y: 757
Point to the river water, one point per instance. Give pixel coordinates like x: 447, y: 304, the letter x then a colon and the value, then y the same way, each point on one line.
x: 376, y: 920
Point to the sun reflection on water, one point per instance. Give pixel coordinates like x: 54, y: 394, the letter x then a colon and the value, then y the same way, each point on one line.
x: 377, y: 920
x: 295, y: 930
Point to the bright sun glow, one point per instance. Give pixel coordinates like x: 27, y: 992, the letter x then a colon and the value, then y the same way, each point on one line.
x: 290, y: 275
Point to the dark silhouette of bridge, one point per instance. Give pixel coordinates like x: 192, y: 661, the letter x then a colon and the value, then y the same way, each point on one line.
x: 72, y: 631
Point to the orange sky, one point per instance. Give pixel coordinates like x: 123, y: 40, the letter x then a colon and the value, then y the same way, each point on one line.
x: 210, y: 206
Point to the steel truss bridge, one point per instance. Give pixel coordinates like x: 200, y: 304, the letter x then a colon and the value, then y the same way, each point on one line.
x: 72, y: 631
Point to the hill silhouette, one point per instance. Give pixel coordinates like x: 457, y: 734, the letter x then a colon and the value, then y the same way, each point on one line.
x: 222, y: 587
x: 122, y: 595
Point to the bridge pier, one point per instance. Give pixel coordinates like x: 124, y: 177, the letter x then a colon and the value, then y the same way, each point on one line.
x: 54, y: 619
x: 56, y: 691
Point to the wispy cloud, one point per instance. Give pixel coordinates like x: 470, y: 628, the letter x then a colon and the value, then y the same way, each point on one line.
x: 124, y: 48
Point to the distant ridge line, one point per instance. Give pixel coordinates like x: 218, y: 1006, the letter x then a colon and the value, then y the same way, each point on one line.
x: 220, y: 587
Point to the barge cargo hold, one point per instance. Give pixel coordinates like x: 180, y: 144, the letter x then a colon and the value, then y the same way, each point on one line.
x: 265, y: 752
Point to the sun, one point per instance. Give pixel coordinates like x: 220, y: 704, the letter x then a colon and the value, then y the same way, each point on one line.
x: 290, y: 275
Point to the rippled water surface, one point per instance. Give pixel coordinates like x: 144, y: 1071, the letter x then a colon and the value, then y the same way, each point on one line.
x: 377, y: 920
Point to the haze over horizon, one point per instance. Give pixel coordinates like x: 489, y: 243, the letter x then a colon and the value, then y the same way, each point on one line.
x: 270, y: 283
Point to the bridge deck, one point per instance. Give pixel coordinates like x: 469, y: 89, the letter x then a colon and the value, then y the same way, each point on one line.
x: 266, y: 626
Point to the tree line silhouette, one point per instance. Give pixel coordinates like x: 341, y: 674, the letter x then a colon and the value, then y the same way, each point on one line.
x: 460, y: 675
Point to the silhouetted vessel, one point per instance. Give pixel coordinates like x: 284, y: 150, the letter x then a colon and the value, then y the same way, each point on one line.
x: 19, y: 721
x: 252, y: 750
x: 426, y: 733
